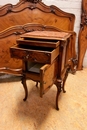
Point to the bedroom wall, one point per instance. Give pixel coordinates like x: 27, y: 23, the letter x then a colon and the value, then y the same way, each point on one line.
x: 72, y: 6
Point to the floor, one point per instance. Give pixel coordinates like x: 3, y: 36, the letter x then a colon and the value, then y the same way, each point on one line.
x: 40, y: 113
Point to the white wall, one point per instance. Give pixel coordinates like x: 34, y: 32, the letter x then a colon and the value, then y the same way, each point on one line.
x: 72, y: 6
x: 8, y: 1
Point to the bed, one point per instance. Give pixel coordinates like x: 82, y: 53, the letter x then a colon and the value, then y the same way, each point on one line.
x: 31, y: 15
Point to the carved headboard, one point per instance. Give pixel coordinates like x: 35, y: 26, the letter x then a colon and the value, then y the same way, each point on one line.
x: 30, y: 15
x: 33, y: 11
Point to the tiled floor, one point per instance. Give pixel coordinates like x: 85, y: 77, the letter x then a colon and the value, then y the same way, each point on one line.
x: 40, y: 113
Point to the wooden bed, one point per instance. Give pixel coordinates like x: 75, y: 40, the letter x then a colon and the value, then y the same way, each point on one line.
x: 31, y: 15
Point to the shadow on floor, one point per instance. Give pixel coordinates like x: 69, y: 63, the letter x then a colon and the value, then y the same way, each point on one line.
x: 36, y: 108
x: 9, y: 78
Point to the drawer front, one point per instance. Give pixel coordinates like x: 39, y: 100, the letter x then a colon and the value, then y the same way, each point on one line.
x: 34, y: 55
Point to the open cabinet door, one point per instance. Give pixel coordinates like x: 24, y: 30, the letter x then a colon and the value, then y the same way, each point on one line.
x: 48, y: 76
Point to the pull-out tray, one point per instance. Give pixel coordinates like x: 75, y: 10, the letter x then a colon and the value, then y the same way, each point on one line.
x: 38, y: 42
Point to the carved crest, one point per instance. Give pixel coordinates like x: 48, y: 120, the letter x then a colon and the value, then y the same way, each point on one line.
x: 34, y: 1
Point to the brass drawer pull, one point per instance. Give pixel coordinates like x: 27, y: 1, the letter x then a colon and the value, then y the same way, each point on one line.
x: 27, y: 56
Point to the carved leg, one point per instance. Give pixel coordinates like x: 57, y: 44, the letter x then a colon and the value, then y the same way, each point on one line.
x: 64, y: 80
x: 63, y: 88
x: 58, y: 85
x: 25, y: 87
x: 37, y: 84
x: 73, y: 66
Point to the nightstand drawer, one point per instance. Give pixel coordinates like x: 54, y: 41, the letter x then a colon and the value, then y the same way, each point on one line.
x: 34, y: 54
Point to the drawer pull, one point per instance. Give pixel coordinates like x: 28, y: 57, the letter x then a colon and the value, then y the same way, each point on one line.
x: 27, y: 56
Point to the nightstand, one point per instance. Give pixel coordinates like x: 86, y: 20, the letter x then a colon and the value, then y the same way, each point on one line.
x: 43, y: 55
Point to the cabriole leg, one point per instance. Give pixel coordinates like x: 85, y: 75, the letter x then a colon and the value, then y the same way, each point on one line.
x: 58, y: 85
x: 25, y: 87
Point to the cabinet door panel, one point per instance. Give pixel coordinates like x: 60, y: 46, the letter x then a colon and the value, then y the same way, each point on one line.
x: 48, y: 76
